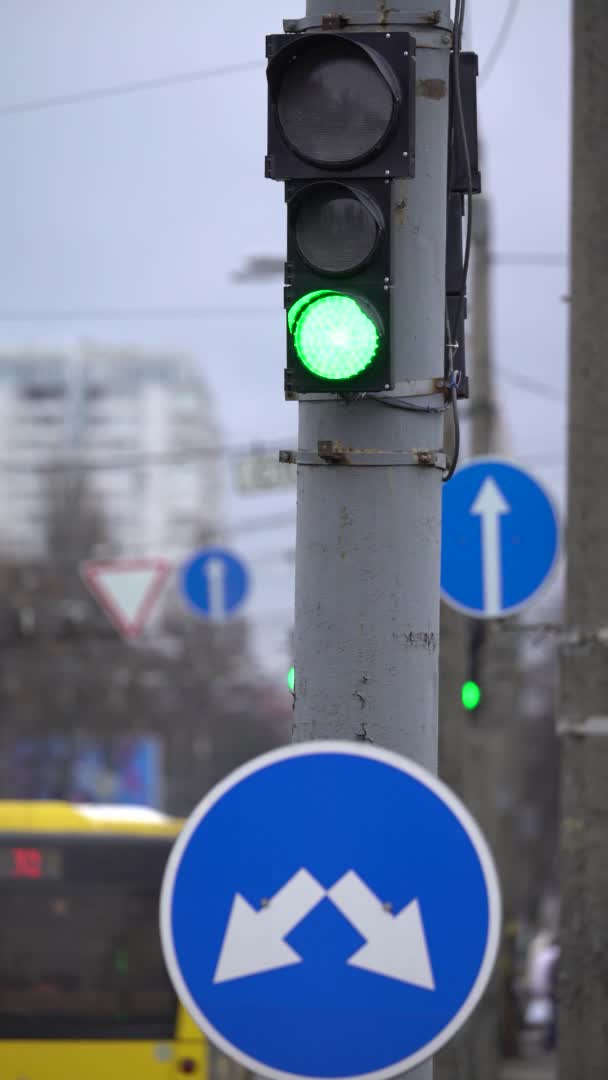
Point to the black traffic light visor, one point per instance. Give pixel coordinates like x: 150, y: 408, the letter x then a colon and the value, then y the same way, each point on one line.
x: 335, y: 100
x: 337, y: 226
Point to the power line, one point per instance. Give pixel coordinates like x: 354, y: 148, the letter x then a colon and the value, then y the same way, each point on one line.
x: 139, y: 461
x: 528, y: 258
x: 499, y: 42
x: 543, y: 459
x: 127, y: 313
x: 119, y: 314
x: 534, y: 386
x: 122, y: 89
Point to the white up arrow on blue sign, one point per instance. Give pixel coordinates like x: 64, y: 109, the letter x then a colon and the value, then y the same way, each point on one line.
x: 500, y: 538
x: 330, y: 910
x: 215, y: 583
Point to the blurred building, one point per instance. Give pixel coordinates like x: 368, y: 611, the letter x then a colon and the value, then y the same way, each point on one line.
x: 137, y: 424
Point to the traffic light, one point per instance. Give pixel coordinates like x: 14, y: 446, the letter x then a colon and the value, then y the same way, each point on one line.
x: 471, y: 690
x: 470, y: 695
x: 458, y: 186
x: 340, y: 128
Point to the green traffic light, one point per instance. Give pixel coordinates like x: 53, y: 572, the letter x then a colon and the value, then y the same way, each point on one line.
x: 291, y: 679
x: 470, y: 695
x: 332, y: 335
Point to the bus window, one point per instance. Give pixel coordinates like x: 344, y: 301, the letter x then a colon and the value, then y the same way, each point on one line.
x: 82, y: 960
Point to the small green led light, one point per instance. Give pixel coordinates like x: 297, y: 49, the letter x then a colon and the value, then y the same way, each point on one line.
x: 291, y: 679
x: 333, y: 336
x: 470, y: 695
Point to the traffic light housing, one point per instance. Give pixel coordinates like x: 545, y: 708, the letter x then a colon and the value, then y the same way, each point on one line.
x: 471, y: 692
x: 455, y: 308
x: 340, y: 104
x: 458, y: 186
x: 337, y: 293
x: 341, y: 126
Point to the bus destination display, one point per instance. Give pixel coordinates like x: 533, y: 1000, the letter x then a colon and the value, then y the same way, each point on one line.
x: 30, y: 863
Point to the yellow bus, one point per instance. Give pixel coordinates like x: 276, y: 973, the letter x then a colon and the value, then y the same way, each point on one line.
x: 84, y: 994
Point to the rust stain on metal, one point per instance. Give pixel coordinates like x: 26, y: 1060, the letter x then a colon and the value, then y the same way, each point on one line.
x: 334, y: 22
x: 332, y: 451
x: 433, y: 18
x: 424, y: 457
x: 384, y: 11
x: 435, y: 89
x: 401, y: 212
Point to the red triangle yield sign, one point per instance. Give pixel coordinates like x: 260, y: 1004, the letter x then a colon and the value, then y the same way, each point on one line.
x: 126, y: 589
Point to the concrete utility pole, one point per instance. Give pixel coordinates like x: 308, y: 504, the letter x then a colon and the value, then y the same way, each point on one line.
x: 583, y: 1030
x: 467, y: 742
x: 368, y: 536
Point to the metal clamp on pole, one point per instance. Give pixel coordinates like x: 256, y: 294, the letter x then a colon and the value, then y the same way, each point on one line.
x: 405, y: 388
x: 430, y: 20
x: 590, y: 725
x: 330, y: 452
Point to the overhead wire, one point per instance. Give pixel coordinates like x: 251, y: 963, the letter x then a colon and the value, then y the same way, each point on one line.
x: 163, y: 82
x: 500, y: 41
x: 128, y: 313
x: 179, y: 456
x: 532, y: 385
x: 452, y: 345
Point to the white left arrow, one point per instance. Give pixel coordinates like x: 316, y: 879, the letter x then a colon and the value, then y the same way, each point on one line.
x: 396, y: 944
x: 253, y: 941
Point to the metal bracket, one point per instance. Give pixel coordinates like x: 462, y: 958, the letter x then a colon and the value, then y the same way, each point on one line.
x: 591, y: 725
x: 431, y: 20
x: 586, y: 637
x: 407, y: 388
x: 330, y: 452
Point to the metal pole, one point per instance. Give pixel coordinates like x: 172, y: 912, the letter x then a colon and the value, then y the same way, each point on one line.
x: 368, y: 538
x: 468, y: 758
x: 583, y: 1002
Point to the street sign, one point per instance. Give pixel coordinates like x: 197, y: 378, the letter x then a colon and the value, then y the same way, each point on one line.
x: 214, y: 583
x: 262, y: 471
x: 330, y: 910
x: 126, y: 589
x: 500, y: 538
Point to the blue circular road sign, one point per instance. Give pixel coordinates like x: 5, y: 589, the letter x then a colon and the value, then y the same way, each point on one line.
x: 215, y: 583
x: 312, y: 931
x: 500, y: 538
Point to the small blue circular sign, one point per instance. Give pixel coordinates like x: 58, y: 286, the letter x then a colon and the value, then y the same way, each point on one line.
x: 500, y: 538
x: 313, y: 931
x: 215, y: 583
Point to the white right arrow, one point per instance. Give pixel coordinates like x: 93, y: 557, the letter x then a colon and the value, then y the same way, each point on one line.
x: 253, y: 941
x: 396, y: 944
x: 489, y: 505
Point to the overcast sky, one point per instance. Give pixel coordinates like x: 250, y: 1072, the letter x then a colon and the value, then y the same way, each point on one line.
x: 150, y: 200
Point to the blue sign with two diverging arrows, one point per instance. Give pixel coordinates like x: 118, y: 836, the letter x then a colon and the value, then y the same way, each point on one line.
x: 330, y: 910
x: 500, y: 538
x: 215, y: 583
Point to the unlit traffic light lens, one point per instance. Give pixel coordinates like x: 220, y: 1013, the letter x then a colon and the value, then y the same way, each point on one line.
x: 470, y: 695
x: 334, y: 337
x: 335, y: 231
x: 334, y: 104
